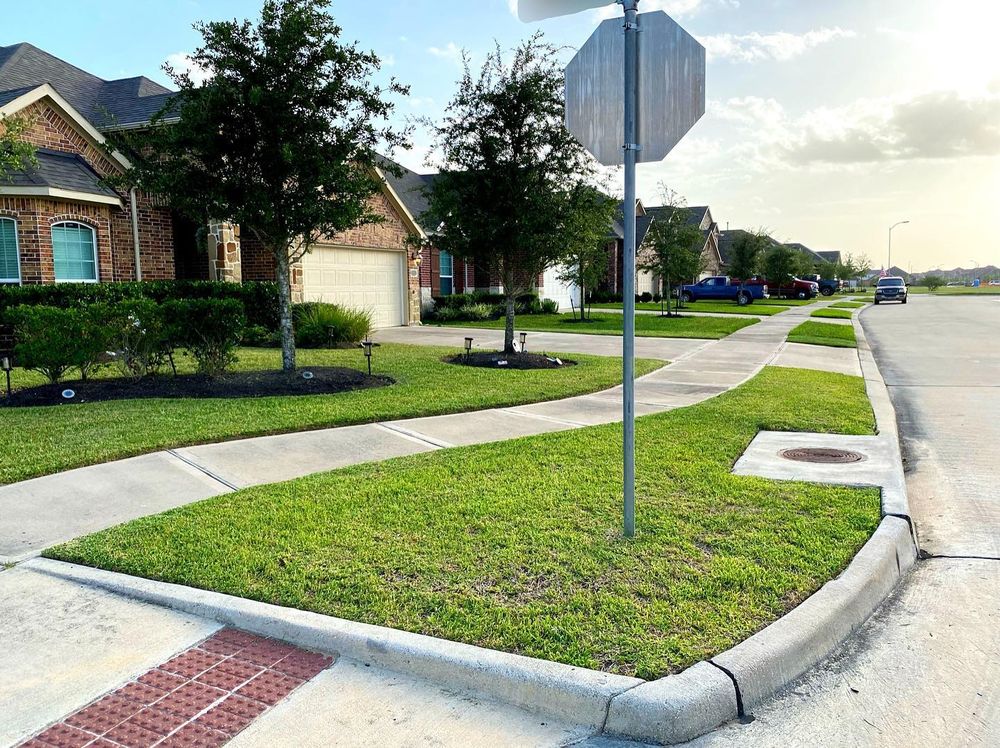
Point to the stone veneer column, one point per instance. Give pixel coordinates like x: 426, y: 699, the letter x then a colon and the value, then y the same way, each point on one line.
x: 224, y: 260
x: 414, y: 258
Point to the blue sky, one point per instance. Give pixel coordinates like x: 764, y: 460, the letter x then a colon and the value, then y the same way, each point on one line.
x: 827, y: 121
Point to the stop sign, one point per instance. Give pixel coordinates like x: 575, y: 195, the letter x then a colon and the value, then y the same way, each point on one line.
x: 671, y: 89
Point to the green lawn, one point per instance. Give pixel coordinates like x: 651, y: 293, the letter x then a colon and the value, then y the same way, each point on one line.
x: 517, y: 546
x: 716, y: 307
x: 847, y: 305
x: 611, y: 324
x: 824, y: 333
x: 37, y: 441
x: 830, y: 313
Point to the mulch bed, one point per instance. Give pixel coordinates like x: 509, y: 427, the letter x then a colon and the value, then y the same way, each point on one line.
x: 326, y: 380
x: 518, y: 361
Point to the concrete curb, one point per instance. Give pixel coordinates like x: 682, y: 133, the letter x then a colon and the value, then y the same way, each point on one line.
x: 560, y: 691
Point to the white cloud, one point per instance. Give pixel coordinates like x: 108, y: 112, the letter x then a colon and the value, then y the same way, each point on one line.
x: 780, y: 46
x: 181, y: 62
x: 673, y: 8
x: 451, y: 52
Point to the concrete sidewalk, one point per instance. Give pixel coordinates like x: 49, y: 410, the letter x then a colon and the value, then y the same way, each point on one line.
x: 45, y: 511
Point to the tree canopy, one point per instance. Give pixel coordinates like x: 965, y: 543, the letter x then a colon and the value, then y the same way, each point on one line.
x: 510, y: 171
x: 674, y: 246
x: 584, y: 260
x: 782, y: 263
x: 747, y: 254
x: 15, y: 152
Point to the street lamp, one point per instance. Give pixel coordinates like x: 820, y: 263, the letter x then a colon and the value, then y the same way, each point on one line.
x: 890, y: 242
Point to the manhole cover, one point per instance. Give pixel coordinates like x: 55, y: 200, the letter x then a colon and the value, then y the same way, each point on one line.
x: 823, y: 455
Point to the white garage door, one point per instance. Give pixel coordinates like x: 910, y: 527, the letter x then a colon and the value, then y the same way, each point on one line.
x: 566, y: 294
x: 370, y: 279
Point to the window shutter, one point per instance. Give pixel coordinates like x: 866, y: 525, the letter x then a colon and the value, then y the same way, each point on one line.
x: 9, y: 271
x: 435, y: 272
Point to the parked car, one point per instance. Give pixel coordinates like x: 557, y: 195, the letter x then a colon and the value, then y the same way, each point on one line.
x: 827, y: 286
x: 723, y: 288
x: 890, y: 288
x: 796, y: 288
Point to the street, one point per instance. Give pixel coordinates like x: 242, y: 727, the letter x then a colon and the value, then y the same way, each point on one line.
x: 925, y: 670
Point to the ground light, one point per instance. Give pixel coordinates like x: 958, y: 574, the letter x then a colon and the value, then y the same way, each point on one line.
x: 524, y: 337
x: 468, y: 348
x: 367, y: 346
x: 7, y: 365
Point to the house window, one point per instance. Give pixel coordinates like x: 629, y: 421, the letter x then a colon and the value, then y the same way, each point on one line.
x: 74, y: 252
x: 10, y: 271
x: 447, y: 274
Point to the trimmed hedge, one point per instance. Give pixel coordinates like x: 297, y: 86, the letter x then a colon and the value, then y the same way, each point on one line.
x: 259, y: 299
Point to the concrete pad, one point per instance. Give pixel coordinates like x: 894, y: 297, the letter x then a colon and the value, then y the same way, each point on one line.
x: 821, y: 358
x: 480, y: 427
x: 691, y: 375
x: 671, y: 394
x: 354, y: 705
x: 762, y: 458
x: 39, y: 513
x: 586, y: 411
x: 270, y: 459
x: 65, y: 644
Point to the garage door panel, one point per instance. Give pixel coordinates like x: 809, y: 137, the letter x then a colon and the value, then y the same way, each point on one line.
x: 358, y: 278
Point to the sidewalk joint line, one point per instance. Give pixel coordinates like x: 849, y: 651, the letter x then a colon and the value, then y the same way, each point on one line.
x: 740, y: 711
x: 203, y: 470
x: 415, y: 436
x: 540, y: 417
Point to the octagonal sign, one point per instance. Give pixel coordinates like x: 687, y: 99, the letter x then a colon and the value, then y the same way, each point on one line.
x: 671, y: 89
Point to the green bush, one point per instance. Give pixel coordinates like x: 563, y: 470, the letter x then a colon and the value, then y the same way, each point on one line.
x: 475, y: 312
x: 52, y: 341
x: 324, y: 325
x: 140, y: 337
x: 258, y: 336
x: 210, y: 329
x: 550, y: 306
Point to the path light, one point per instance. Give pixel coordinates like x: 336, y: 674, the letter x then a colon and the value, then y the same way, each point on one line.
x: 68, y: 394
x: 468, y: 348
x: 367, y: 346
x: 524, y: 337
x: 6, y: 364
x: 308, y: 376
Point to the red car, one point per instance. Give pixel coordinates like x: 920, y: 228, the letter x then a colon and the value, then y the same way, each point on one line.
x: 796, y: 288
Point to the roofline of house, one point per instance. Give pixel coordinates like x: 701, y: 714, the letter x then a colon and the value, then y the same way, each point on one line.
x: 57, y: 193
x: 393, y: 196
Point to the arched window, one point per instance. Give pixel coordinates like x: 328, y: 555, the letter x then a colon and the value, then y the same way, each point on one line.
x: 10, y: 268
x: 74, y: 252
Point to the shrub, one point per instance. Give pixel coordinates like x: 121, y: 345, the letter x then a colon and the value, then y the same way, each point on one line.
x: 210, y: 329
x: 140, y: 336
x: 258, y: 336
x: 51, y: 341
x: 550, y: 306
x: 477, y: 311
x: 447, y: 314
x: 645, y: 297
x: 324, y: 325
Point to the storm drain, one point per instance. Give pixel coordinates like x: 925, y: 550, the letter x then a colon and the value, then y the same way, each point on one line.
x: 822, y: 455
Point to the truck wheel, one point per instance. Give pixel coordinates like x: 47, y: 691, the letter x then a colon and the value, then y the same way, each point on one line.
x: 743, y: 298
x: 827, y: 291
x: 686, y: 297
x: 904, y: 299
x: 876, y: 302
x: 802, y: 295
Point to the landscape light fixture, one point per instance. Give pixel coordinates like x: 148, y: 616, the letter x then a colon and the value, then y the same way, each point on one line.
x: 7, y: 365
x: 468, y: 348
x: 367, y: 346
x: 524, y: 337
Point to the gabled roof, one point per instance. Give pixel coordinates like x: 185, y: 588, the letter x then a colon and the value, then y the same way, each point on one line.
x: 830, y: 255
x: 125, y: 102
x: 58, y: 174
x: 812, y: 255
x: 409, y: 188
x: 729, y: 237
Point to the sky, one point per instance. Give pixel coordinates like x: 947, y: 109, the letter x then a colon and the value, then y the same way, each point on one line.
x: 826, y: 122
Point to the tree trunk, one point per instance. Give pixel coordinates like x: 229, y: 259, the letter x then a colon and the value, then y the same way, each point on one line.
x: 668, y: 298
x: 286, y: 325
x: 508, y: 333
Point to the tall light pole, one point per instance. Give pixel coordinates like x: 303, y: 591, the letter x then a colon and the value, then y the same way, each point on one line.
x: 890, y: 242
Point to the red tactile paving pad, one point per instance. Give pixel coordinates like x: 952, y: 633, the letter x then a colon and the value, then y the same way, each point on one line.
x: 199, y: 699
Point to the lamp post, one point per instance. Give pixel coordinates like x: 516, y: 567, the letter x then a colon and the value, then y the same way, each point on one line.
x: 367, y: 345
x: 7, y: 365
x: 468, y: 349
x: 889, y: 266
x: 524, y: 338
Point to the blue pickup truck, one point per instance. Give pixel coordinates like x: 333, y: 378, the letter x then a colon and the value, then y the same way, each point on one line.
x: 723, y: 288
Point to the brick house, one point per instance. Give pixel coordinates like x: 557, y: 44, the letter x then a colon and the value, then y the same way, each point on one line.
x: 60, y: 222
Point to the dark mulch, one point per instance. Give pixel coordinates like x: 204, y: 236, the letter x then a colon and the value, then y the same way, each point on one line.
x: 326, y: 380
x: 519, y: 361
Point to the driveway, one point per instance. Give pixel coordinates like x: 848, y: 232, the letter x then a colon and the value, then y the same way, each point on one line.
x: 925, y: 670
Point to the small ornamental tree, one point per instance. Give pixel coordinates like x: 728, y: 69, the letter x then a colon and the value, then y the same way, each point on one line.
x: 748, y: 254
x: 280, y: 139
x: 585, y: 258
x: 509, y: 170
x: 933, y: 282
x: 15, y: 152
x: 781, y: 264
x: 673, y: 247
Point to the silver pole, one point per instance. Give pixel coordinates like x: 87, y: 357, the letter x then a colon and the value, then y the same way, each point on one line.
x: 628, y: 270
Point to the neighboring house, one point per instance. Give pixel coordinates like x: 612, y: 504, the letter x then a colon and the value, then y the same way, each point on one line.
x: 700, y: 216
x: 60, y: 222
x: 816, y: 258
x: 834, y: 257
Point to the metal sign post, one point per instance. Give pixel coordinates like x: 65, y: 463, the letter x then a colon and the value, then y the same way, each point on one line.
x: 654, y: 99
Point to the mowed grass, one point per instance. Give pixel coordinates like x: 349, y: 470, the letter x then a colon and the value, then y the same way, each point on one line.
x: 847, y: 305
x: 646, y: 325
x: 38, y: 441
x: 716, y: 307
x: 518, y: 546
x: 824, y: 333
x: 830, y: 313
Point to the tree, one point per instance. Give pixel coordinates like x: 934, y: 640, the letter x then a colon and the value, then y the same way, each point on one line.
x: 828, y: 270
x: 585, y: 258
x: 281, y: 139
x: 16, y: 153
x: 782, y: 263
x: 509, y: 170
x: 855, y: 267
x: 674, y: 246
x: 805, y: 264
x: 747, y: 254
x: 933, y: 282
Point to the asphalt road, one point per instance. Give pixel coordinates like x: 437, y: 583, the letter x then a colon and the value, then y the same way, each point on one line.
x: 925, y: 670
